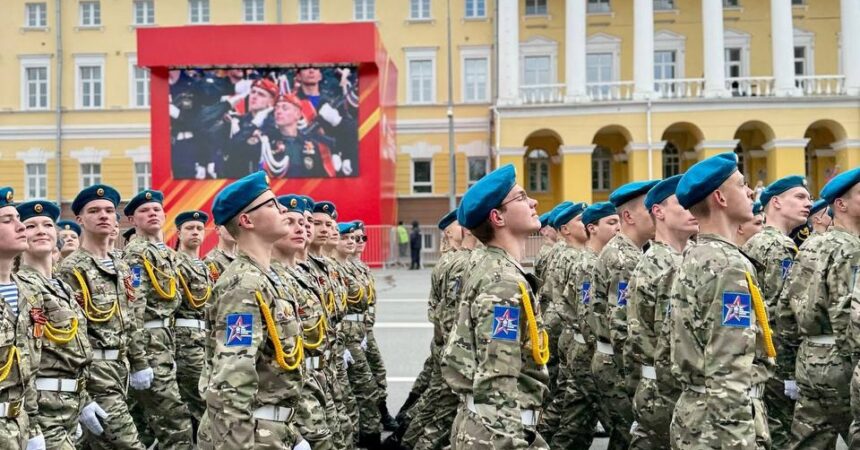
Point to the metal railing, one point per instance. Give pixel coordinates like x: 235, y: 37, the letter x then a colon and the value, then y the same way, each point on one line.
x: 538, y: 94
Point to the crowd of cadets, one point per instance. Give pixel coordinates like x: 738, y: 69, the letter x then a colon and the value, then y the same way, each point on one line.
x: 265, y: 343
x: 679, y: 314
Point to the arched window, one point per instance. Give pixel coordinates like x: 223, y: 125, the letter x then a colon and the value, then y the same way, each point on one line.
x: 671, y: 160
x: 601, y: 164
x: 538, y: 170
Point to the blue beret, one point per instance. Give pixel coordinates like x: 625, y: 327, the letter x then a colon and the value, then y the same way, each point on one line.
x: 359, y: 225
x: 308, y: 203
x: 326, y: 207
x: 188, y: 216
x: 661, y: 191
x: 569, y: 213
x: 237, y: 195
x: 346, y: 227
x: 486, y: 195
x: 598, y: 211
x: 448, y: 219
x: 757, y: 207
x: 544, y: 219
x: 817, y: 206
x: 840, y: 184
x: 38, y: 208
x: 142, y: 198
x: 554, y: 212
x: 292, y: 203
x: 705, y: 177
x: 7, y: 196
x: 631, y: 190
x: 781, y: 185
x: 95, y: 192
x: 69, y: 225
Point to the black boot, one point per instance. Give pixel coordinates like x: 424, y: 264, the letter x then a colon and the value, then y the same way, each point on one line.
x: 370, y: 441
x: 388, y: 422
x: 411, y: 400
x: 393, y: 443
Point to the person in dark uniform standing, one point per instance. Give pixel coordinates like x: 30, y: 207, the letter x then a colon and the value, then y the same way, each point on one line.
x: 415, y: 246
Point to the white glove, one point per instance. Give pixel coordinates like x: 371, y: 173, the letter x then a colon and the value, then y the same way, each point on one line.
x: 791, y: 390
x: 234, y: 126
x: 36, y: 443
x: 336, y: 162
x: 199, y: 172
x: 210, y: 169
x: 302, y: 123
x: 347, y: 167
x: 347, y: 358
x: 634, y: 426
x: 260, y: 117
x: 79, y: 432
x: 90, y: 420
x: 142, y: 379
x: 363, y: 344
x: 234, y: 100
x: 243, y: 87
x: 330, y: 115
x: 174, y: 111
x: 303, y: 445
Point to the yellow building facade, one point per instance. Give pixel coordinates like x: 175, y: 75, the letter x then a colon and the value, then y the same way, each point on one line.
x: 581, y: 95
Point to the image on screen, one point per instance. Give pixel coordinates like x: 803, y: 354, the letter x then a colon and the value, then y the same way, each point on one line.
x: 291, y: 122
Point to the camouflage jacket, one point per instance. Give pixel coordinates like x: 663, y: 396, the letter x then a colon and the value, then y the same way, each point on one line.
x: 553, y: 295
x: 217, y: 261
x: 195, y: 284
x: 489, y: 353
x: 365, y: 276
x: 541, y: 259
x: 717, y: 342
x: 320, y: 270
x: 449, y: 293
x: 108, y: 289
x: 577, y: 293
x: 253, y: 318
x: 609, y: 290
x: 437, y: 282
x: 162, y: 259
x: 310, y: 310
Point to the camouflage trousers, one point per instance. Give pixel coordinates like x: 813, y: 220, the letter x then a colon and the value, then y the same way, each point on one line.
x: 348, y: 405
x: 652, y: 411
x: 58, y: 418
x: 822, y: 411
x: 431, y: 423
x: 13, y: 432
x: 107, y: 386
x: 377, y: 367
x: 361, y: 380
x: 315, y: 411
x: 711, y: 421
x: 554, y: 402
x: 419, y: 387
x: 468, y: 432
x: 780, y: 411
x: 423, y: 409
x: 268, y: 435
x: 554, y: 331
x: 341, y: 395
x: 609, y: 380
x: 159, y: 410
x: 190, y: 359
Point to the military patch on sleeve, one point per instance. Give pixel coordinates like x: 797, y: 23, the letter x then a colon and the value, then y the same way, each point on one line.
x: 736, y: 309
x: 622, y: 294
x: 135, y: 276
x: 786, y: 267
x: 506, y: 324
x: 240, y: 330
x: 585, y: 292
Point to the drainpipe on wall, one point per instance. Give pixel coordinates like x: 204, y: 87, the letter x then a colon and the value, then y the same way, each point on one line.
x: 280, y: 11
x: 58, y: 109
x: 495, y: 117
x: 648, y: 126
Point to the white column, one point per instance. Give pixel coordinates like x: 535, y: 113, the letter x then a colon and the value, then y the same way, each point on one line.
x: 714, y: 48
x: 509, y: 52
x: 782, y: 41
x: 574, y: 50
x: 851, y: 45
x: 643, y: 48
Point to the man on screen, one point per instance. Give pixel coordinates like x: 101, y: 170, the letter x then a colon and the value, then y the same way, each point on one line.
x: 286, y: 151
x: 242, y: 155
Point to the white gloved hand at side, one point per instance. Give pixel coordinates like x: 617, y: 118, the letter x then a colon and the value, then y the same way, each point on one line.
x: 363, y: 344
x: 347, y: 167
x: 303, y: 445
x: 791, y: 389
x: 36, y: 443
x: 330, y: 115
x: 347, y: 358
x: 336, y: 162
x: 142, y: 379
x: 90, y: 418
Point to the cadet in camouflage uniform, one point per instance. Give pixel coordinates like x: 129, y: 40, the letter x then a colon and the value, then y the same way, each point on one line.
x: 158, y: 407
x: 196, y: 282
x: 550, y: 259
x: 222, y: 255
x: 65, y: 349
x: 649, y: 288
x: 254, y: 348
x: 103, y: 286
x: 616, y: 380
x: 786, y: 204
x: 721, y: 351
x: 550, y: 239
x: 819, y: 291
x: 580, y: 403
x: 496, y: 355
x: 20, y: 330
x: 751, y: 227
x: 819, y: 217
x: 69, y: 235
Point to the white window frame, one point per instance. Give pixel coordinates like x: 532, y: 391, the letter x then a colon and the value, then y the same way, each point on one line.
x: 368, y: 10
x: 727, y: 6
x: 33, y: 62
x: 741, y: 40
x: 536, y: 2
x: 421, y: 54
x: 665, y: 40
x: 803, y: 38
x: 88, y: 61
x: 469, y: 180
x: 475, y: 52
x: 474, y: 5
x: 597, y: 7
x: 35, y: 155
x: 606, y: 43
x: 539, y: 46
x: 97, y: 18
x: 678, y: 155
x: 140, y: 155
x: 258, y: 13
x: 310, y: 5
x: 148, y: 7
x: 607, y: 184
x: 673, y: 6
x: 39, y: 181
x: 191, y: 11
x: 43, y: 16
x: 91, y: 176
x: 534, y: 166
x: 146, y: 175
x: 132, y: 84
x: 413, y: 184
x: 422, y: 13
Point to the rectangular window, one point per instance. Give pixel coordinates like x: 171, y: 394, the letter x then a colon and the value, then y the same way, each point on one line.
x: 428, y: 244
x: 664, y: 5
x: 36, y: 87
x: 140, y: 86
x: 536, y: 8
x: 475, y: 80
x: 364, y: 9
x: 731, y: 3
x: 798, y: 2
x: 598, y: 6
x: 309, y: 10
x: 36, y: 15
x: 536, y: 70
x: 478, y: 167
x: 598, y: 69
x: 90, y: 86
x: 198, y: 11
x: 664, y: 65
x: 253, y: 11
x: 538, y: 171
x: 420, y: 81
x: 37, y: 181
x: 142, y: 176
x: 476, y: 9
x: 419, y: 9
x: 800, y: 61
x: 91, y: 14
x: 422, y: 176
x: 91, y: 173
x: 144, y: 12
x: 600, y: 167
x: 733, y: 63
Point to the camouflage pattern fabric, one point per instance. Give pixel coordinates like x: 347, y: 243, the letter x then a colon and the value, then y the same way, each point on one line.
x: 217, y: 261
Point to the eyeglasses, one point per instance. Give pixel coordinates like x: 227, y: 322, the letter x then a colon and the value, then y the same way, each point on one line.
x: 272, y: 201
x: 361, y: 238
x: 522, y: 196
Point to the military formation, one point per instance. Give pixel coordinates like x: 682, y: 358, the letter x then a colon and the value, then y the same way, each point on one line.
x: 264, y: 343
x: 683, y: 313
